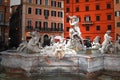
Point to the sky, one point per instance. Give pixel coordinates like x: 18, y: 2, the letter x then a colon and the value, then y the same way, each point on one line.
x: 14, y: 2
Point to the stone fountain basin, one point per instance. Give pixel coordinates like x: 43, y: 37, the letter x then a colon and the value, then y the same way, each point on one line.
x: 88, y: 61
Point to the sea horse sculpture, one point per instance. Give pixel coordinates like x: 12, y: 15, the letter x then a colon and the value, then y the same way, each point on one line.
x: 33, y: 45
x: 96, y: 43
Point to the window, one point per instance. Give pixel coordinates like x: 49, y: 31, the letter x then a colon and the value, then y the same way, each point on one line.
x: 29, y: 10
x: 29, y: 24
x: 67, y: 19
x: 30, y: 1
x: 118, y: 24
x: 117, y: 1
x: 98, y: 28
x: 45, y: 25
x: 117, y: 13
x: 59, y: 4
x: 97, y: 18
x: 109, y: 27
x: 108, y: 6
x: 77, y: 9
x: 53, y: 25
x: 97, y: 7
x: 46, y: 2
x: 38, y: 25
x: 67, y: 9
x: 53, y: 3
x: 46, y: 13
x: 1, y: 16
x: 53, y: 13
x: 77, y: 1
x: 86, y: 0
x: 67, y: 29
x: 60, y: 27
x: 87, y: 28
x: 79, y: 18
x: 38, y: 12
x: 87, y: 18
x: 108, y: 17
x: 60, y: 14
x: 87, y: 8
x: 67, y: 1
x: 38, y: 1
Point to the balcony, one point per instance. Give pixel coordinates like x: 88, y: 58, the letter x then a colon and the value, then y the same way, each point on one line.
x: 87, y: 23
x: 29, y: 28
x: 50, y: 30
x: 4, y: 24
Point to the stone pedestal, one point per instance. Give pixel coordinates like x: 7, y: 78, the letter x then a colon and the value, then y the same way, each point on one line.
x: 88, y: 62
x: 91, y: 63
x: 112, y: 62
x: 25, y: 62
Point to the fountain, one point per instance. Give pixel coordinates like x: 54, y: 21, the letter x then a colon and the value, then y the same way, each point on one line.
x: 71, y: 57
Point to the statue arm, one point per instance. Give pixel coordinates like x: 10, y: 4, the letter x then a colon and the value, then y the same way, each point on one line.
x: 73, y: 23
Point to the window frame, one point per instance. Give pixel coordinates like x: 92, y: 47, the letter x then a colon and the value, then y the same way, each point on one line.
x: 98, y: 27
x: 29, y: 10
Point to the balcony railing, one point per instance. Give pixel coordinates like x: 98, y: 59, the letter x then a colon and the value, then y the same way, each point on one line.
x: 87, y: 23
x: 29, y: 28
x: 4, y: 24
x: 50, y: 30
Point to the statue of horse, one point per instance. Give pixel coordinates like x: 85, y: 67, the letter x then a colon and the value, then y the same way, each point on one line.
x: 33, y: 46
x: 96, y: 43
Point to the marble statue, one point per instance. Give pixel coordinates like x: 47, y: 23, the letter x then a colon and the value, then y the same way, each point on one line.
x: 33, y: 45
x: 96, y: 43
x: 59, y: 52
x: 107, y: 45
x: 117, y: 43
x: 22, y: 46
x: 76, y: 40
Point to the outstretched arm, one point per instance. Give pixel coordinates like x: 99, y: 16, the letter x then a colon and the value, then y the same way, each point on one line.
x: 75, y: 22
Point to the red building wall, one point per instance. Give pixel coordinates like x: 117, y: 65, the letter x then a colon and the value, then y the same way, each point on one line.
x: 92, y: 12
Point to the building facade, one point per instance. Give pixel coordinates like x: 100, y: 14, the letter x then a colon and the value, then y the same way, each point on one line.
x: 117, y: 17
x: 96, y: 17
x: 4, y: 22
x: 45, y: 16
